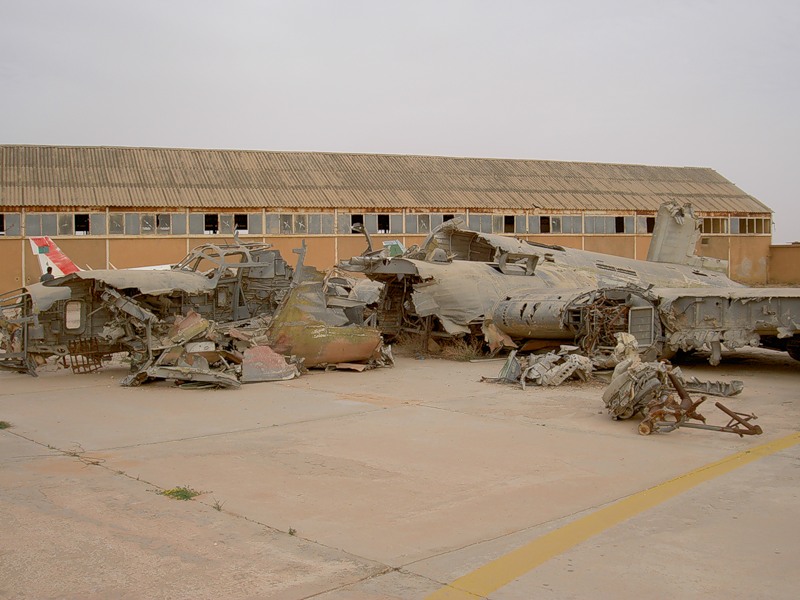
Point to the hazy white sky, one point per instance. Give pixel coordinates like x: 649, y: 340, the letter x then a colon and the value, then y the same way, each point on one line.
x: 698, y: 83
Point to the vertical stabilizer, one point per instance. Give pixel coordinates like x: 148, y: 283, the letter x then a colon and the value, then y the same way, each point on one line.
x: 675, y: 236
x: 50, y: 255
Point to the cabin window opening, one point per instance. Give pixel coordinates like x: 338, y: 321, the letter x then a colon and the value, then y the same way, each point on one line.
x: 73, y: 315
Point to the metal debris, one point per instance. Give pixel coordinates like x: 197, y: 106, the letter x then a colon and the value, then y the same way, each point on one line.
x: 512, y: 293
x: 656, y: 390
x: 550, y: 369
x: 262, y: 363
x: 225, y: 315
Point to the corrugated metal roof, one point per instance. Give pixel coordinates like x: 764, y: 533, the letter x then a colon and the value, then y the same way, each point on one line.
x: 99, y: 177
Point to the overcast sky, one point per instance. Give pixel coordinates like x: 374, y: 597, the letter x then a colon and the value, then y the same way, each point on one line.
x: 686, y: 83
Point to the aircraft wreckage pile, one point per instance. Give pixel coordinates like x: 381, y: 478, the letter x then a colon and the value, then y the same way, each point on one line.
x: 229, y: 314
x: 513, y: 293
x: 225, y: 315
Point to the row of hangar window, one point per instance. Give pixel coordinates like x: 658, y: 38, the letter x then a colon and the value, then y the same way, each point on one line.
x: 132, y: 223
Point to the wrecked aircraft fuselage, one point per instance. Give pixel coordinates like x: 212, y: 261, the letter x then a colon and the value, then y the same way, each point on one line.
x: 514, y: 293
x: 207, y: 320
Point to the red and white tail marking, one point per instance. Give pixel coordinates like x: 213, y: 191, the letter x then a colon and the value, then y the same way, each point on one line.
x: 50, y: 255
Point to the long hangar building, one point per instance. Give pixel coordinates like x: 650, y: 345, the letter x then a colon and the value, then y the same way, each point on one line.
x: 112, y: 207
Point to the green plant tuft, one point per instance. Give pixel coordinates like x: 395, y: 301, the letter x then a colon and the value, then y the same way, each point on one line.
x: 5, y: 425
x: 180, y: 493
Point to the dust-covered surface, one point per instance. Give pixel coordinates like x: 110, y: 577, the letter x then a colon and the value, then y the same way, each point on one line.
x: 381, y: 484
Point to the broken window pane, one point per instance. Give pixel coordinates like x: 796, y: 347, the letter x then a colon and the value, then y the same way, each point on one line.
x: 356, y: 219
x: 226, y: 224
x: 163, y: 224
x: 240, y: 223
x: 210, y: 224
x: 81, y: 224
x: 544, y: 224
x: 423, y: 223
x: 148, y: 224
x: 286, y: 225
x: 383, y: 224
x: 555, y: 225
x: 301, y: 224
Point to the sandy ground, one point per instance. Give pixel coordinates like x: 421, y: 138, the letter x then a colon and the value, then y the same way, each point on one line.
x: 383, y: 484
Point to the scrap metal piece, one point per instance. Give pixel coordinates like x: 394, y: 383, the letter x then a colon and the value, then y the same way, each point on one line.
x: 669, y: 415
x: 262, y: 363
x: 726, y: 389
x: 85, y: 355
x: 550, y: 369
x: 306, y: 326
x: 658, y: 392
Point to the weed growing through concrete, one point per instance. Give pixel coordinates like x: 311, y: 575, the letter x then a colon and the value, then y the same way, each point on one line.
x: 217, y: 505
x: 292, y: 531
x: 180, y: 493
x: 5, y: 425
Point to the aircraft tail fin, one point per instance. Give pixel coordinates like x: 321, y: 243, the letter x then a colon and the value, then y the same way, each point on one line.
x: 675, y: 236
x: 50, y: 255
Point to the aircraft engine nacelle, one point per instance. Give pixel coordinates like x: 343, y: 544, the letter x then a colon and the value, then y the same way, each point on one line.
x: 542, y: 317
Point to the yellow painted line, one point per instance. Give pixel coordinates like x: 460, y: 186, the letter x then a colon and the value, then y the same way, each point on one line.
x: 502, y: 571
